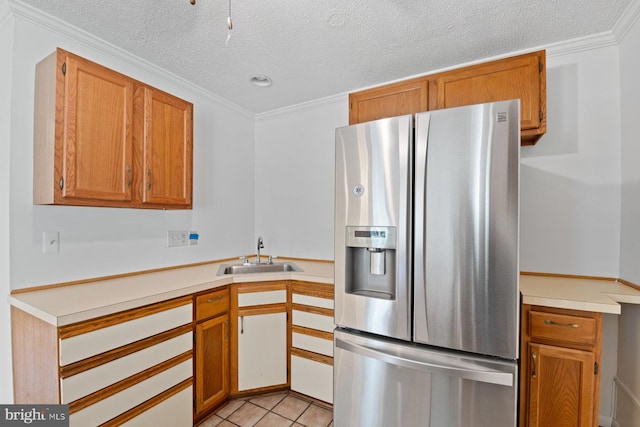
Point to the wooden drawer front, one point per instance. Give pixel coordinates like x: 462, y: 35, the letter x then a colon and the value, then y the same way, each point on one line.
x: 212, y: 304
x: 313, y: 321
x: 312, y: 378
x: 131, y: 397
x: 91, y: 343
x: 562, y: 327
x: 92, y: 380
x: 311, y: 343
x: 312, y: 301
x: 261, y: 298
x: 174, y: 411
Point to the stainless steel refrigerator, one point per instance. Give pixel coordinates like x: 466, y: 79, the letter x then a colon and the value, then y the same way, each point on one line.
x: 426, y: 269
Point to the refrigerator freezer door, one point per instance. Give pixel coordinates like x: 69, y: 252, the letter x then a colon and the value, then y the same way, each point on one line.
x: 373, y: 213
x: 379, y: 383
x: 466, y: 293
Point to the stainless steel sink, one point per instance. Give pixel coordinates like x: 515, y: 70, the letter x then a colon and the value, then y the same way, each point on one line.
x: 276, y: 267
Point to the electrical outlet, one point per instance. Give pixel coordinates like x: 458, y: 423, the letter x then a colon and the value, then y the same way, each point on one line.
x: 193, y: 238
x: 177, y: 238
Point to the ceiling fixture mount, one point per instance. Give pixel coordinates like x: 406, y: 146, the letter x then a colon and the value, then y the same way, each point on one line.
x: 261, y: 80
x: 229, y: 22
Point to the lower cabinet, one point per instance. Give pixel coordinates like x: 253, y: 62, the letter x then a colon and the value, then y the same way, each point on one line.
x: 126, y: 368
x: 560, y: 367
x: 262, y: 350
x: 259, y: 347
x: 175, y: 362
x: 312, y: 340
x: 211, y: 351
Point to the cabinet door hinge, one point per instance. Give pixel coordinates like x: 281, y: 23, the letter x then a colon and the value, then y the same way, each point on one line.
x: 541, y: 115
x: 64, y: 68
x: 61, y: 183
x: 540, y: 66
x: 351, y: 105
x: 595, y: 368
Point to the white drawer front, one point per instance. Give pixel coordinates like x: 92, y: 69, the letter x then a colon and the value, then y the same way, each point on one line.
x: 313, y: 321
x: 312, y: 378
x: 315, y: 344
x: 87, y: 382
x: 259, y: 298
x: 115, y: 405
x: 101, y: 340
x: 312, y: 301
x: 176, y: 411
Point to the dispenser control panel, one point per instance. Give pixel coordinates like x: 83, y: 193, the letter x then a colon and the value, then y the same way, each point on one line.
x: 371, y: 237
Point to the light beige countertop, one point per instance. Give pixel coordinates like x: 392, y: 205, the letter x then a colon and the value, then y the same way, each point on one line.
x: 68, y: 304
x: 604, y: 296
x: 64, y: 305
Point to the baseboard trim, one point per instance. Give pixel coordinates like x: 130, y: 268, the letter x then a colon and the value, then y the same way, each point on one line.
x: 627, y: 405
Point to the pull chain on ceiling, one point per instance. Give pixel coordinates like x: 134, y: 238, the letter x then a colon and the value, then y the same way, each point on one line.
x: 229, y: 22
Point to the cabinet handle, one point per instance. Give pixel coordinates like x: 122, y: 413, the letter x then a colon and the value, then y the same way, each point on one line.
x: 533, y: 367
x: 128, y: 176
x: 242, y: 324
x: 149, y: 179
x: 218, y: 298
x: 568, y: 325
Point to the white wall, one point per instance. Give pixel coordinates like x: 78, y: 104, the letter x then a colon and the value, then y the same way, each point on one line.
x: 105, y: 241
x: 628, y: 378
x: 294, y: 177
x: 570, y: 188
x: 6, y: 41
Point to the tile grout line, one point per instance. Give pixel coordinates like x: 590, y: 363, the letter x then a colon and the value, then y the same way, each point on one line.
x: 284, y: 396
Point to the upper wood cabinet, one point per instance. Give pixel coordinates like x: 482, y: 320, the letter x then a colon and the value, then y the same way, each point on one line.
x: 104, y: 139
x: 520, y: 77
x: 165, y: 134
x: 388, y: 101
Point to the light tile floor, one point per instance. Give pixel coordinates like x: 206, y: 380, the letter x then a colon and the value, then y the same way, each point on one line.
x: 272, y: 410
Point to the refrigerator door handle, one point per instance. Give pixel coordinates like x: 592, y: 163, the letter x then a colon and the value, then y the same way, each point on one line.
x: 481, y: 374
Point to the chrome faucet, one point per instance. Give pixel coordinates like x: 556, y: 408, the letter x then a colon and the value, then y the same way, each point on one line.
x: 260, y: 246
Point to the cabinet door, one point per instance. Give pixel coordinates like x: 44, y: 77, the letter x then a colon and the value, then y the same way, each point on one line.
x: 212, y: 363
x: 521, y: 77
x: 262, y: 350
x: 561, y: 387
x: 94, y: 152
x: 388, y: 101
x: 167, y: 149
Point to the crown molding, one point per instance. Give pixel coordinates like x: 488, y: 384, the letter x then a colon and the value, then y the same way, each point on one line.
x: 5, y: 14
x: 581, y: 44
x: 629, y: 18
x: 56, y: 25
x: 341, y: 97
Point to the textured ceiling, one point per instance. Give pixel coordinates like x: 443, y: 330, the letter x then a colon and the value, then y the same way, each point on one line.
x: 317, y: 48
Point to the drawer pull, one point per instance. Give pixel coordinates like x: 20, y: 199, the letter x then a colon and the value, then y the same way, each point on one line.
x: 568, y: 325
x: 218, y: 298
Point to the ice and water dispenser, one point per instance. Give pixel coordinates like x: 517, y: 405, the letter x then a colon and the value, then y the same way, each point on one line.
x: 372, y: 245
x: 371, y: 261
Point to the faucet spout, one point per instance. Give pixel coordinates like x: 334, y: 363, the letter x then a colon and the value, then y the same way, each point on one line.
x: 260, y: 246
